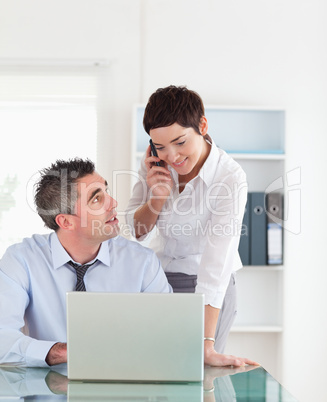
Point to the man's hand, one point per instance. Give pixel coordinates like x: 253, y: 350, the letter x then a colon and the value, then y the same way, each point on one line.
x: 212, y: 358
x: 57, y: 383
x: 57, y: 354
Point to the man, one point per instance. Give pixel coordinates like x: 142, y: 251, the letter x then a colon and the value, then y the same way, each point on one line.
x: 71, y: 198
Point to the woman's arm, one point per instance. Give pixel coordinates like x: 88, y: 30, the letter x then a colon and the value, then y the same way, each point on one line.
x: 158, y: 186
x: 220, y: 254
x: 217, y: 263
x: 146, y: 216
x: 211, y: 357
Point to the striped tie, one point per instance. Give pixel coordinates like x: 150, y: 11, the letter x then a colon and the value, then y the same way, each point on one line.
x: 80, y: 272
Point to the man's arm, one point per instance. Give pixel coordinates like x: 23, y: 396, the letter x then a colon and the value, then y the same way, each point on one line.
x: 57, y: 354
x: 15, y: 347
x: 57, y: 383
x: 154, y: 280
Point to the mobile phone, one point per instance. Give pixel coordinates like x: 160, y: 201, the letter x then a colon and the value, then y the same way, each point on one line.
x: 154, y: 152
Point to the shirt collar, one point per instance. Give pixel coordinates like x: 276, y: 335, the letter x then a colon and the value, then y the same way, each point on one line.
x: 61, y: 257
x: 103, y: 254
x: 208, y: 170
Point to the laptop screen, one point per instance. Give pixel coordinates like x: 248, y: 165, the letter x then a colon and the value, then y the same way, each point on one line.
x: 135, y: 337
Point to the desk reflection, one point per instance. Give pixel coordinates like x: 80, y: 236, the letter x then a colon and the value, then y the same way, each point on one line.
x: 29, y: 383
x: 223, y: 384
x: 217, y: 383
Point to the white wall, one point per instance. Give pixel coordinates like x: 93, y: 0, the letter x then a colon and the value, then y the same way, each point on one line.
x: 251, y: 52
x: 264, y: 53
x: 82, y: 29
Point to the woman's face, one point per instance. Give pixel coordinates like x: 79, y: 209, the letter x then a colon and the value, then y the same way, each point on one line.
x: 182, y: 148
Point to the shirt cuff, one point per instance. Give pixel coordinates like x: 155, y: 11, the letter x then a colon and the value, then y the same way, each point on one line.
x: 143, y: 237
x: 37, y: 352
x: 214, y: 299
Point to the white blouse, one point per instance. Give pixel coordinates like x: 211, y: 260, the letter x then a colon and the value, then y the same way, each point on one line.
x: 199, y: 229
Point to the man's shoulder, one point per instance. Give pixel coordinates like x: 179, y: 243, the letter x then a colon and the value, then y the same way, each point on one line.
x: 20, y: 256
x: 28, y: 244
x: 130, y: 246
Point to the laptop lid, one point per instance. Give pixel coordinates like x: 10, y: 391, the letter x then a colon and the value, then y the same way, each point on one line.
x: 135, y: 337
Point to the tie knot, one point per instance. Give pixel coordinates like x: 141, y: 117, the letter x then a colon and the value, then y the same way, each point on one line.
x: 80, y: 272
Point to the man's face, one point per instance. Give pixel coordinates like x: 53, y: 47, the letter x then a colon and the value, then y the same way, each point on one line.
x: 95, y: 211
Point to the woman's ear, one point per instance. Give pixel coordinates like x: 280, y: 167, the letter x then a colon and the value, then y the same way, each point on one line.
x: 203, y: 126
x: 64, y: 221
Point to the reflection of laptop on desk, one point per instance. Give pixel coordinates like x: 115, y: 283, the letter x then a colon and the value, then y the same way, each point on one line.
x: 135, y: 337
x: 134, y: 392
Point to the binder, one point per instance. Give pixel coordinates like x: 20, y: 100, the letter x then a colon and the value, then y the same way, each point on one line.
x: 274, y: 203
x: 244, y: 246
x: 258, y: 223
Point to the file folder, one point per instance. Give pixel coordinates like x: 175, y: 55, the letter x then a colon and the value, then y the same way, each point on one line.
x: 244, y: 246
x: 274, y: 203
x: 258, y: 223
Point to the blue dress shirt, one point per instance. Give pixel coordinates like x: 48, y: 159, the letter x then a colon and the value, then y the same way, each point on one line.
x: 34, y: 279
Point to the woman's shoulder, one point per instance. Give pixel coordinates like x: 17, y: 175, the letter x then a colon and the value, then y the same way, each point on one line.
x: 223, y: 165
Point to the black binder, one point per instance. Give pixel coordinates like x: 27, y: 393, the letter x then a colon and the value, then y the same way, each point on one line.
x: 244, y: 246
x: 274, y: 203
x: 258, y: 222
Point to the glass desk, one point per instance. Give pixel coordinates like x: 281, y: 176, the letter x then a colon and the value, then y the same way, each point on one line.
x: 249, y: 384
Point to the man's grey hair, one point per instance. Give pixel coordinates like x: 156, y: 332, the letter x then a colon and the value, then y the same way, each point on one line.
x: 56, y: 190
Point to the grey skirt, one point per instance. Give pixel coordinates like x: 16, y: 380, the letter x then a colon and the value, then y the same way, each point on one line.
x: 181, y: 283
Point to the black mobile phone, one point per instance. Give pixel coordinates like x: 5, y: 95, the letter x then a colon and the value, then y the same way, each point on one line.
x: 154, y: 152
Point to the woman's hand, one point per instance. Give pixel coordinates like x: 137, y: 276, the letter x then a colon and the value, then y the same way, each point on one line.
x: 160, y: 183
x: 158, y: 178
x: 212, y: 358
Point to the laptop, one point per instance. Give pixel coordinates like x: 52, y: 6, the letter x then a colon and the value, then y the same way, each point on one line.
x: 147, y: 337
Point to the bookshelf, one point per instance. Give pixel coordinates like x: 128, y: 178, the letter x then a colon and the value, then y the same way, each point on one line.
x: 255, y: 138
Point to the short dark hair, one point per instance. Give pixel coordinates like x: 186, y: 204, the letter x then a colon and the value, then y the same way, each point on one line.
x: 172, y: 105
x: 56, y: 190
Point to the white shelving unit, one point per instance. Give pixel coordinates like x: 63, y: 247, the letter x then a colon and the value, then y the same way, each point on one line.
x: 253, y: 157
x: 256, y: 329
x: 257, y: 332
x: 255, y: 138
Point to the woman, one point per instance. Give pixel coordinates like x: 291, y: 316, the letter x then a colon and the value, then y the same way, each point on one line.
x: 196, y: 199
